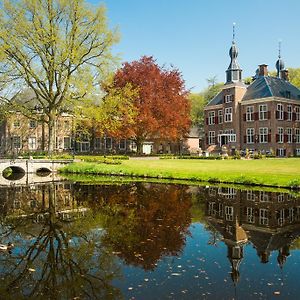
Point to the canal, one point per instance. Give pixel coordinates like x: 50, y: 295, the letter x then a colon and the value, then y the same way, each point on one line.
x: 141, y: 240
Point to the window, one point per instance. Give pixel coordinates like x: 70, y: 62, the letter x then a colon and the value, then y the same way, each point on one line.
x: 211, y: 118
x: 297, y: 135
x: 297, y: 152
x: 250, y: 136
x: 289, y: 113
x: 250, y: 215
x: 231, y: 135
x: 108, y: 143
x: 228, y: 114
x: 17, y: 124
x: 67, y: 125
x: 281, y: 152
x: 229, y: 213
x: 97, y: 143
x: 228, y: 98
x: 263, y: 135
x: 263, y: 197
x: 280, y: 135
x: 249, y: 113
x: 220, y: 116
x: 122, y: 144
x: 16, y: 142
x: 250, y: 195
x: 280, y: 112
x: 67, y: 142
x: 289, y: 132
x: 297, y: 110
x: 263, y: 112
x: 211, y: 137
x: 263, y: 216
x: 32, y: 143
x: 32, y: 124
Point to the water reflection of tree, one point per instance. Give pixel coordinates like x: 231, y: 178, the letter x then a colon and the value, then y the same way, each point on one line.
x: 61, y: 260
x: 145, y: 222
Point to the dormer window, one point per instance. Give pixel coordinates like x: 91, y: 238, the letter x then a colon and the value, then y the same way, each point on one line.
x: 228, y: 98
x: 288, y: 94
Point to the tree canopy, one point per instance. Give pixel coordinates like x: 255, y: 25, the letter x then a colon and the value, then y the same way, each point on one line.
x: 162, y: 106
x: 59, y: 49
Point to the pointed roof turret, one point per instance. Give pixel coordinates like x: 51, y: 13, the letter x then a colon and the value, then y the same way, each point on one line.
x: 234, y: 72
x: 279, y: 62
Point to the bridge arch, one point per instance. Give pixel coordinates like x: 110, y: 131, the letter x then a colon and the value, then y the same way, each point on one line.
x: 43, y: 171
x: 13, y: 173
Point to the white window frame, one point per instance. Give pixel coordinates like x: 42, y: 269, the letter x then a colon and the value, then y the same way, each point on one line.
x: 280, y: 152
x: 297, y: 135
x: 228, y: 115
x: 289, y: 132
x: 289, y: 112
x: 250, y: 135
x: 249, y: 113
x: 211, y: 138
x: 229, y: 213
x: 280, y: 110
x: 122, y: 148
x: 108, y: 144
x: 263, y: 135
x: 263, y: 216
x: 297, y: 151
x: 97, y: 144
x: 263, y: 112
x: 297, y: 111
x: 280, y: 132
x: 32, y: 124
x: 211, y: 118
x: 15, y: 142
x: 65, y: 146
x: 228, y: 98
x: 220, y: 116
x: 32, y: 143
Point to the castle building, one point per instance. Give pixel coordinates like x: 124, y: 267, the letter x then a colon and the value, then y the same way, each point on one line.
x: 261, y: 117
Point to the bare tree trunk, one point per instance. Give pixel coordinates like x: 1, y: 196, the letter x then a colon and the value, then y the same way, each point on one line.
x: 139, y: 146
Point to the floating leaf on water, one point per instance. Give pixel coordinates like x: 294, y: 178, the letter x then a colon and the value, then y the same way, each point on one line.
x: 31, y: 270
x: 276, y: 293
x: 176, y: 274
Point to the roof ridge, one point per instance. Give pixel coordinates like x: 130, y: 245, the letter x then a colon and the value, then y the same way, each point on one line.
x: 268, y: 85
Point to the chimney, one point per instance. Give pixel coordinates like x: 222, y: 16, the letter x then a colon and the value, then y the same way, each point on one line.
x: 284, y: 74
x: 263, y: 70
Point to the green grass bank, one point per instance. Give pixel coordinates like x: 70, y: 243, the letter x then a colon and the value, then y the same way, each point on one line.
x: 265, y: 172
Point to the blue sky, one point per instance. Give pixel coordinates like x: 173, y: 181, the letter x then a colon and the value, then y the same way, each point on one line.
x: 195, y: 35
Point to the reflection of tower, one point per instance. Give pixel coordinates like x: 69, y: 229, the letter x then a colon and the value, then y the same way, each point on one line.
x: 264, y: 256
x: 283, y: 253
x: 235, y: 254
x: 235, y: 249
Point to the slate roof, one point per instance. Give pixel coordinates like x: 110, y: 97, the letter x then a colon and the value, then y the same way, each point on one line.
x: 267, y: 86
x: 218, y: 99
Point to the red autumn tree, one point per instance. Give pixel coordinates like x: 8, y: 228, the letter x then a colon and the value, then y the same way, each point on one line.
x: 162, y: 105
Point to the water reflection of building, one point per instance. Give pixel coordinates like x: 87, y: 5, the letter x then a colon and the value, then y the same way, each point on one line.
x: 268, y: 220
x: 35, y: 200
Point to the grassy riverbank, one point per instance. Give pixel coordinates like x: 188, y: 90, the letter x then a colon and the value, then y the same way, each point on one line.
x: 265, y: 172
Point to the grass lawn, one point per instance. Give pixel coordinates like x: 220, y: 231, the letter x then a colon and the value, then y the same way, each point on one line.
x: 267, y: 172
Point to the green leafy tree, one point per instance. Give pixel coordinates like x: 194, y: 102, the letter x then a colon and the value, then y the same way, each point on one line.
x: 58, y: 49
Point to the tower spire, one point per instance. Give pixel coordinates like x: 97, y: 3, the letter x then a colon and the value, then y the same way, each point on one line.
x: 279, y: 62
x: 234, y: 72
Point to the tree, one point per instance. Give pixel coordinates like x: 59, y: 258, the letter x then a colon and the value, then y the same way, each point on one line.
x: 59, y: 49
x: 199, y: 101
x: 163, y: 109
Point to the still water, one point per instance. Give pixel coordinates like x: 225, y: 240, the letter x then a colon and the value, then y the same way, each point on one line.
x: 148, y: 241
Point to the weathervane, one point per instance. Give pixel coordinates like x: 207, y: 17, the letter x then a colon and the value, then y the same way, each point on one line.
x: 279, y: 48
x: 233, y: 31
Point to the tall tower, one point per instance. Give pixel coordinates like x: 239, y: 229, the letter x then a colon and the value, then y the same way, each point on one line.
x: 279, y: 62
x: 234, y: 72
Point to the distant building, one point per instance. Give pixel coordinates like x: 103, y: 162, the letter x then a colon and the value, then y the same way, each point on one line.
x: 261, y: 117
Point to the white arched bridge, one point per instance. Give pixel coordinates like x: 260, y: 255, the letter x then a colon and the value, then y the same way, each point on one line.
x: 30, y: 166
